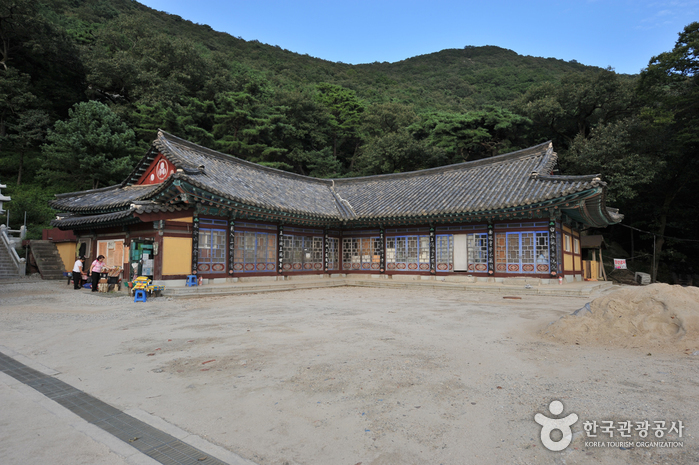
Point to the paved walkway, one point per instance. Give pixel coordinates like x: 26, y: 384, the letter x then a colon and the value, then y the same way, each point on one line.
x: 45, y: 420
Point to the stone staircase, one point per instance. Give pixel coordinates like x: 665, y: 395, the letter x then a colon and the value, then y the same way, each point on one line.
x: 7, y: 266
x: 47, y: 259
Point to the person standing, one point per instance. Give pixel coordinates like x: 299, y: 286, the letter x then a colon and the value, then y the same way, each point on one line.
x: 95, y: 270
x: 78, y: 273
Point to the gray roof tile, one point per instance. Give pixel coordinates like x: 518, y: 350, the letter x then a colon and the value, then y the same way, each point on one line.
x: 106, y: 198
x: 512, y: 180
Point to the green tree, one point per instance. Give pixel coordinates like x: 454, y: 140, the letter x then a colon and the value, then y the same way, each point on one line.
x: 91, y: 148
x: 564, y: 110
x: 669, y: 87
x: 619, y: 151
x: 345, y: 110
x: 15, y: 96
x: 26, y: 134
x: 243, y: 126
x: 397, y: 152
x: 472, y: 135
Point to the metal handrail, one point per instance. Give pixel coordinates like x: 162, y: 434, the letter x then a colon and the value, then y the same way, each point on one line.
x: 18, y: 262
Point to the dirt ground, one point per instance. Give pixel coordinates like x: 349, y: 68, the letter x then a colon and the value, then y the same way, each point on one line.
x: 356, y: 375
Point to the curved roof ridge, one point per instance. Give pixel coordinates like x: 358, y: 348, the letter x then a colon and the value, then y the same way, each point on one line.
x: 105, y: 198
x: 164, y: 137
x: 529, y: 151
x: 581, y: 178
x: 547, y: 163
x: 91, y: 191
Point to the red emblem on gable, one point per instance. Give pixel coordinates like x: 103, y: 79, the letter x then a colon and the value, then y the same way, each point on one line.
x: 161, y: 171
x: 158, y: 171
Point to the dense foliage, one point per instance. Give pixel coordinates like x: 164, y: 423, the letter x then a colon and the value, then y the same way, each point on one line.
x: 85, y: 84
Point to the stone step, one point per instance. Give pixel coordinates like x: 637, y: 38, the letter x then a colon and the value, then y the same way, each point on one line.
x: 231, y: 289
x: 47, y: 259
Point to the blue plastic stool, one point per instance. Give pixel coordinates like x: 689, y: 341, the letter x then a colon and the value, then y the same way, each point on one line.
x: 139, y: 295
x: 191, y: 280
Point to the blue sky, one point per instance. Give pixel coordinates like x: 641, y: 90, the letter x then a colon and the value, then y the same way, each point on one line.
x: 623, y: 34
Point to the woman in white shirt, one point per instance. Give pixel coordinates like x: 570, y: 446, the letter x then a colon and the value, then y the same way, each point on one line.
x: 78, y: 273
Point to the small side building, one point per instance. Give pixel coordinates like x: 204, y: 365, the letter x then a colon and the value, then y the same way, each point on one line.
x: 593, y: 268
x: 186, y: 209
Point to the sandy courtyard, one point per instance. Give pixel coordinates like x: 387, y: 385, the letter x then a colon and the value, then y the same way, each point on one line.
x: 354, y: 375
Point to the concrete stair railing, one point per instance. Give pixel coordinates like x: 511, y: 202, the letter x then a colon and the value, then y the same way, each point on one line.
x: 11, y: 266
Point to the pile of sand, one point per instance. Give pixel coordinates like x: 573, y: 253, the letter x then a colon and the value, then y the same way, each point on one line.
x: 659, y: 316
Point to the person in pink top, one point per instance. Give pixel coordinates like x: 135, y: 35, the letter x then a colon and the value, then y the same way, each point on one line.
x: 95, y: 270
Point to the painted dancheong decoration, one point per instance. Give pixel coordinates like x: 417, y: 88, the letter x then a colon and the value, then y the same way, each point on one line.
x: 217, y: 216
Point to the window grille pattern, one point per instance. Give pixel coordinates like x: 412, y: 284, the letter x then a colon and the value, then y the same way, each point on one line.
x: 477, y: 246
x: 303, y: 253
x: 213, y: 236
x: 522, y: 252
x: 333, y: 253
x: 361, y: 253
x: 500, y: 252
x: 444, y: 246
x: 255, y: 252
x: 542, y: 252
x: 408, y: 253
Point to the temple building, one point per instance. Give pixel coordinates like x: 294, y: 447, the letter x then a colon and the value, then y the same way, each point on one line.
x: 186, y: 209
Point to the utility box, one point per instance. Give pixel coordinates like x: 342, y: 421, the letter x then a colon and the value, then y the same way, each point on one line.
x: 642, y: 278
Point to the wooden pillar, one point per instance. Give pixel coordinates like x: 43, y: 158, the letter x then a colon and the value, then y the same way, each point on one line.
x: 231, y: 245
x: 491, y: 249
x: 553, y: 244
x: 433, y: 251
x: 382, y: 256
x: 326, y: 251
x: 159, y: 226
x: 195, y: 241
x: 280, y: 249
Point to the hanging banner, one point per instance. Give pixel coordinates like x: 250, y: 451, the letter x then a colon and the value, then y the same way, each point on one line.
x: 619, y: 264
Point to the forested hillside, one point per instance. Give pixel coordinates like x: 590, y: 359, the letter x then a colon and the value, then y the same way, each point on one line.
x: 84, y: 85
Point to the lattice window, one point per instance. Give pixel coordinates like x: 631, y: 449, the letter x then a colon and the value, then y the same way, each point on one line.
x: 303, y: 253
x: 522, y: 252
x: 333, y: 253
x: 542, y: 252
x: 477, y: 245
x: 500, y: 252
x: 527, y: 250
x: 444, y: 245
x: 408, y: 253
x: 255, y: 252
x: 361, y: 253
x: 213, y: 239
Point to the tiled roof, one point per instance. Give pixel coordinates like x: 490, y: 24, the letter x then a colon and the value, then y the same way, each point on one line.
x: 512, y: 180
x: 102, y: 200
x: 247, y: 182
x: 515, y: 179
x: 126, y: 216
x: 503, y: 181
x: 80, y: 221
